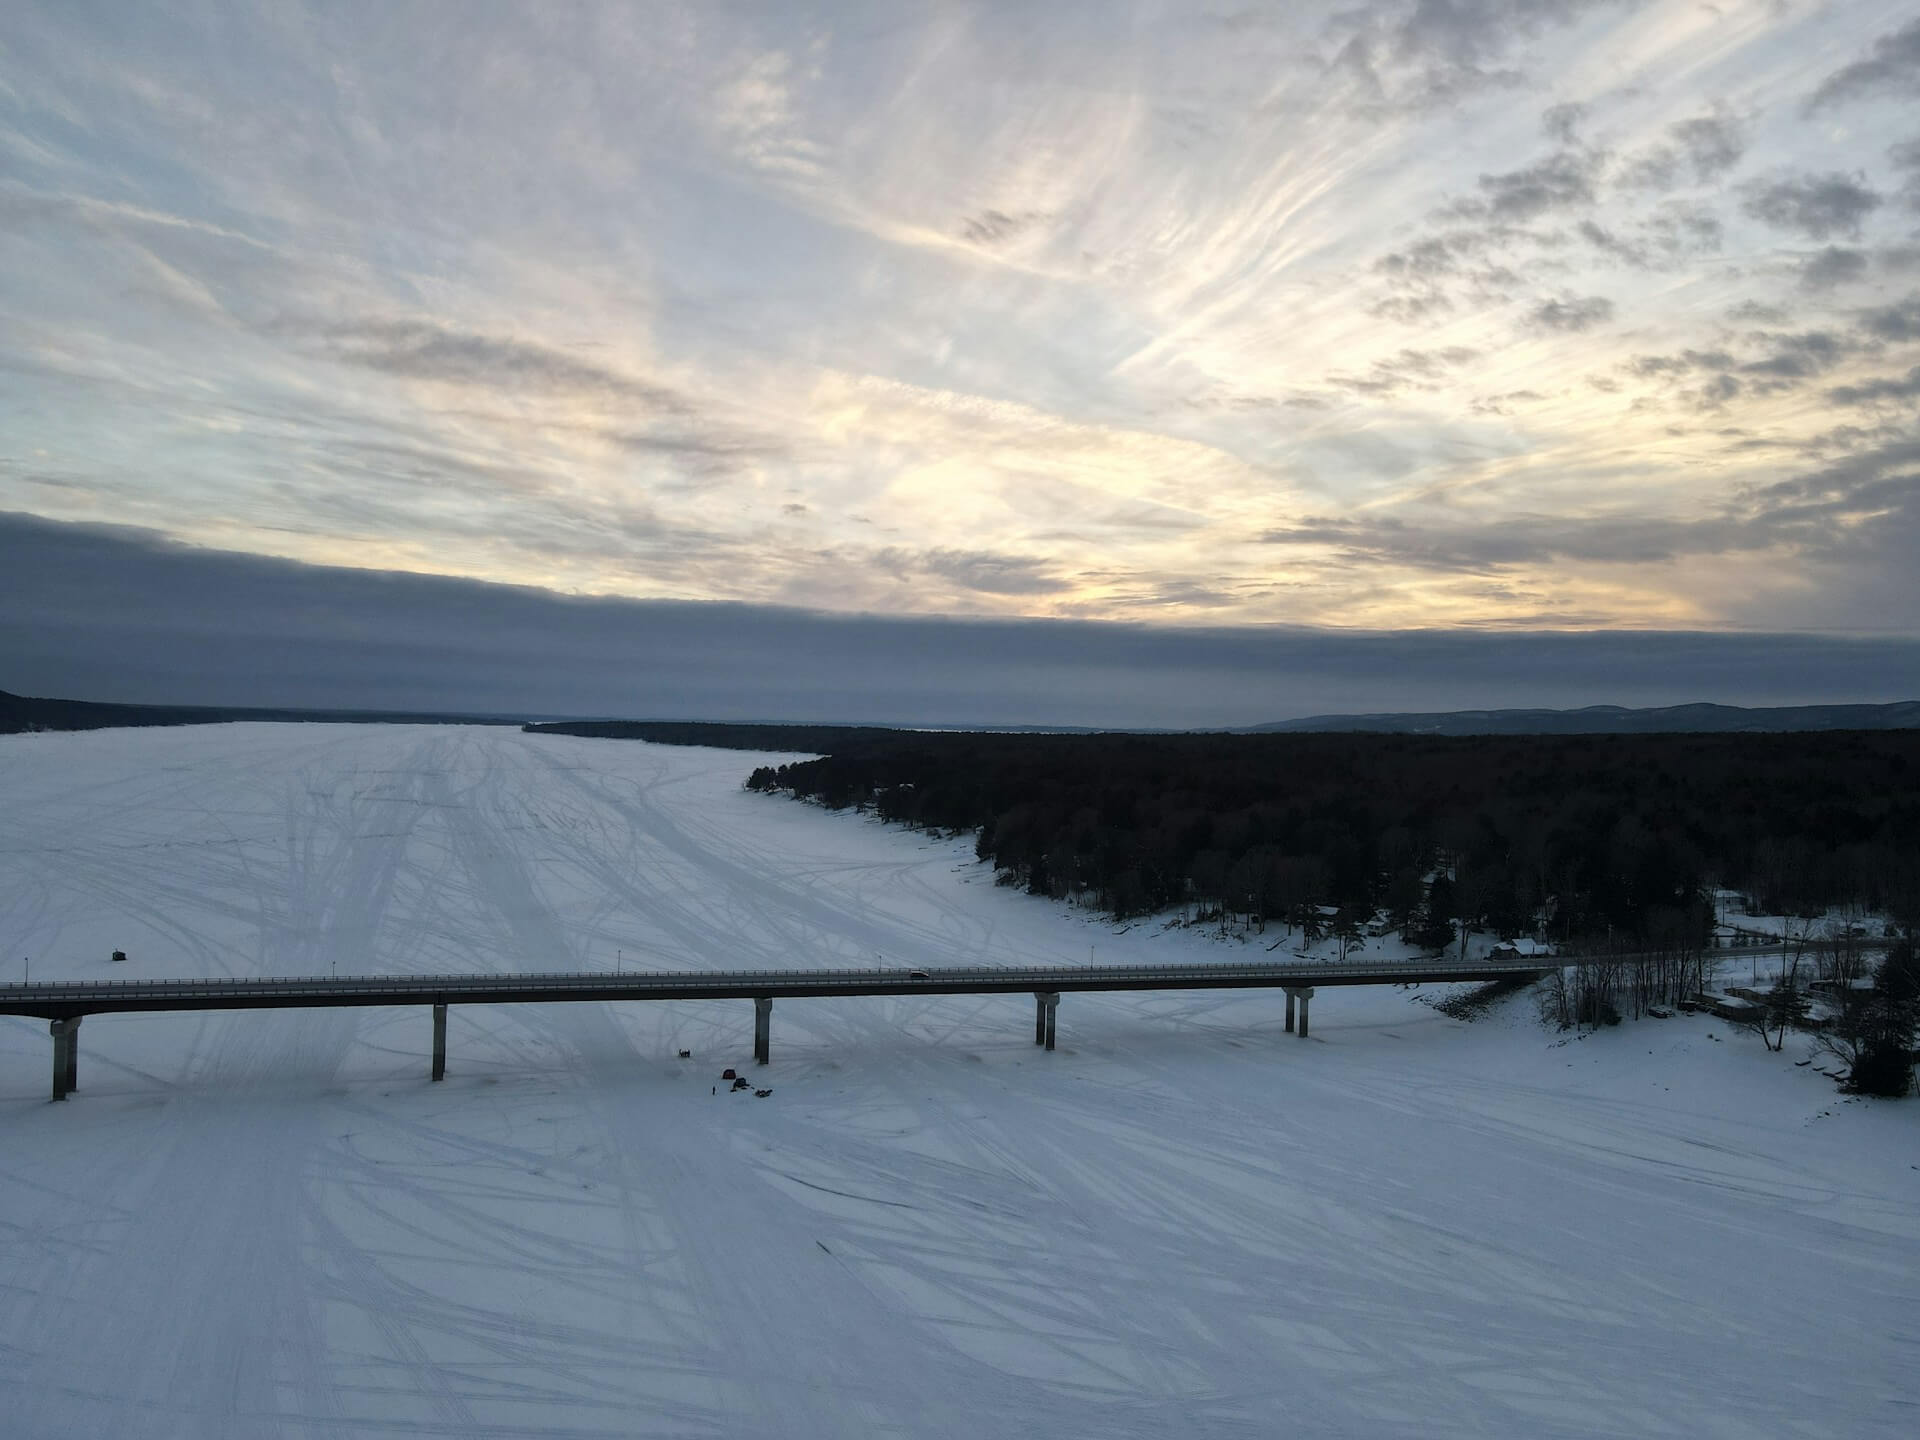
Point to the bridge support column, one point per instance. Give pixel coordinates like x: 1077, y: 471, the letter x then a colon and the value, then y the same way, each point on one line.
x: 440, y: 1042
x: 1039, y: 1018
x: 66, y: 1056
x: 1303, y: 993
x: 1049, y: 1005
x: 763, y: 1028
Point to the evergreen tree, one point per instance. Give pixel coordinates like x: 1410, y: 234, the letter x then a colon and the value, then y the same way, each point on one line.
x: 1435, y: 930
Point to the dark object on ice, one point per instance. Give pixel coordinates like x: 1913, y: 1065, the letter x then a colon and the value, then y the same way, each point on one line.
x: 728, y: 1075
x: 686, y: 1054
x: 762, y: 1094
x: 742, y: 1085
x: 118, y: 956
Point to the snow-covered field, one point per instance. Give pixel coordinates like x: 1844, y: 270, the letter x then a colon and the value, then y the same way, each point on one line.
x: 1184, y: 1222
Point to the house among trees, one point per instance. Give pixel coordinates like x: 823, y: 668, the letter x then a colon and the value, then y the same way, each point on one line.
x: 1522, y: 949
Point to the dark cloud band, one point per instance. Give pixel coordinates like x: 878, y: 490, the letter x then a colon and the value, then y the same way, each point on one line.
x: 120, y: 614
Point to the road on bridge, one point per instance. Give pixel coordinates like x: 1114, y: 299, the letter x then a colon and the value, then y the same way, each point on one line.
x: 65, y: 1003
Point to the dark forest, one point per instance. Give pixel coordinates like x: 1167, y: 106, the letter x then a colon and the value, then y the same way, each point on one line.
x: 1581, y: 837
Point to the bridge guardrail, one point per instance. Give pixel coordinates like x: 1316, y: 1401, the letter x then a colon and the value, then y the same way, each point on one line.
x: 286, y: 987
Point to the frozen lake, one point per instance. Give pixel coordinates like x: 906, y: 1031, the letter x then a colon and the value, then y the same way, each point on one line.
x: 1184, y: 1222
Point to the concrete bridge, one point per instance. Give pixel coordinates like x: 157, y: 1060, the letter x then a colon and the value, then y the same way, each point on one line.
x: 66, y: 1003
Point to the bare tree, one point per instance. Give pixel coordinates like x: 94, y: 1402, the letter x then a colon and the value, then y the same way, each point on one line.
x: 1843, y: 954
x: 1588, y: 993
x: 1346, y: 931
x: 1871, y: 1029
x: 1784, y: 1007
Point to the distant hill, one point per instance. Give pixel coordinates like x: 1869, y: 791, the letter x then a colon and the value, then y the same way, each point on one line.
x: 1619, y: 720
x: 27, y: 712
x: 22, y: 712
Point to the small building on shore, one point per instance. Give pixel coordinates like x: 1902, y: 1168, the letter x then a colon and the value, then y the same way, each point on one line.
x: 1522, y: 949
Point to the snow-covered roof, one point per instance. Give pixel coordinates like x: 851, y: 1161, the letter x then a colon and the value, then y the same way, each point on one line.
x: 1524, y: 946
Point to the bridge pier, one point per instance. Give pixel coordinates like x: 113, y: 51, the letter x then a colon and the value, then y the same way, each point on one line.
x: 763, y: 1028
x: 1302, y: 993
x: 439, y: 1042
x: 1045, y: 1003
x: 66, y: 1056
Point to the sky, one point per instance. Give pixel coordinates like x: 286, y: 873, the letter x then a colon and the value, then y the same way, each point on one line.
x: 1466, y: 319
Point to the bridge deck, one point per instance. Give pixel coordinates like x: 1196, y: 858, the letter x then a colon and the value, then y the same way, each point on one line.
x: 61, y: 1000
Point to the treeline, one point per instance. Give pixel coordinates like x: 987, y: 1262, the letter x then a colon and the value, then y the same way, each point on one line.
x: 1589, y: 837
x: 20, y: 714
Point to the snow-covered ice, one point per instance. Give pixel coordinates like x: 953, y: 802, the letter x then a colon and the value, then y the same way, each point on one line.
x: 1184, y: 1222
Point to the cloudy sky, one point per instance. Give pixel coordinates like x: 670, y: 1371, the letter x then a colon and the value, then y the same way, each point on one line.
x: 1494, y: 315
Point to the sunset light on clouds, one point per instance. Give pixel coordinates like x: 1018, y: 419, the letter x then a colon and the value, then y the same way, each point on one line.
x: 1499, y: 313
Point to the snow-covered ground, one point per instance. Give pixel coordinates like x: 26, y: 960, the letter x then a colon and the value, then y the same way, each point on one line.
x: 1184, y: 1222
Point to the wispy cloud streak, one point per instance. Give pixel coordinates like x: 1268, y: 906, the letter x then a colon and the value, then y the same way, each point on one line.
x: 1491, y: 313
